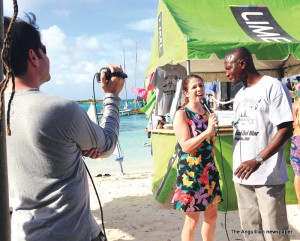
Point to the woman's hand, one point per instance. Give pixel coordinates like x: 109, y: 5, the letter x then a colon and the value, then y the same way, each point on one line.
x: 182, y: 131
x: 212, y: 121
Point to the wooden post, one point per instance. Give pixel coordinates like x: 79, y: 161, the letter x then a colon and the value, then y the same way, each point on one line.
x: 4, y: 202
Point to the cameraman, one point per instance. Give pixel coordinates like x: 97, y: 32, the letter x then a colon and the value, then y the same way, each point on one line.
x: 48, y: 184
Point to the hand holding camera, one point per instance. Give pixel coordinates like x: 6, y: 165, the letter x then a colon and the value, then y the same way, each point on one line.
x: 112, y: 79
x: 109, y: 74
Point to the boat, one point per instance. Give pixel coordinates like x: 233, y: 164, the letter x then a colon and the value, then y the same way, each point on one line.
x: 125, y: 111
x: 137, y: 111
x: 122, y: 112
x: 118, y: 151
x: 138, y: 103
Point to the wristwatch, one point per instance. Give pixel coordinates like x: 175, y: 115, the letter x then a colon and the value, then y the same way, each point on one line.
x: 260, y: 159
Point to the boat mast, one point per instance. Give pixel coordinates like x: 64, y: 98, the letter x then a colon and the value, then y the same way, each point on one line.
x: 125, y: 72
x: 135, y: 97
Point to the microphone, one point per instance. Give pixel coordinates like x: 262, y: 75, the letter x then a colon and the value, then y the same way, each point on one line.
x: 204, y: 104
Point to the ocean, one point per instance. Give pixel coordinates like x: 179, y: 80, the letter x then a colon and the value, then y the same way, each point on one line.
x: 136, y: 156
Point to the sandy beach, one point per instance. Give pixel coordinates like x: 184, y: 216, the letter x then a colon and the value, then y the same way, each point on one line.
x: 132, y: 213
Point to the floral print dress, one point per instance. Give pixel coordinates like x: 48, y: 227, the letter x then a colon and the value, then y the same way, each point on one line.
x: 197, y: 186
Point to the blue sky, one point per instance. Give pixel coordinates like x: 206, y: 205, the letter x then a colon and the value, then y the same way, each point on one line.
x: 82, y: 36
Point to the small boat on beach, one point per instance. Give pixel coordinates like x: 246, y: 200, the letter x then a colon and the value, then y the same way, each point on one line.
x: 118, y: 151
x: 137, y: 111
x: 121, y: 112
x: 125, y: 111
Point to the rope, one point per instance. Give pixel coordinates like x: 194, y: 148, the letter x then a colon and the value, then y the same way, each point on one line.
x: 5, y: 55
x: 221, y: 102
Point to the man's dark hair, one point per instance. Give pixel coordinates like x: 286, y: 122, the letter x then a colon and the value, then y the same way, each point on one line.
x: 24, y: 36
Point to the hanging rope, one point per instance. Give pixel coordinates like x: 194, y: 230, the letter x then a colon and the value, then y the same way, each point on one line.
x: 5, y: 55
x: 221, y: 102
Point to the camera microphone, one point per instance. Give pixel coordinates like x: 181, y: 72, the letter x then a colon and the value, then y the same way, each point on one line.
x: 204, y: 104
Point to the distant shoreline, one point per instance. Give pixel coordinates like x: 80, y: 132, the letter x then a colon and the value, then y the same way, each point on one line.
x: 98, y: 101
x: 87, y: 101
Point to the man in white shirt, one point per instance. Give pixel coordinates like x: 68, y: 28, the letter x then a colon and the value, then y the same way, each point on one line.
x: 262, y: 125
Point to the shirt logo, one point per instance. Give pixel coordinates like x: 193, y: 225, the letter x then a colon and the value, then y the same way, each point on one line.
x: 259, y: 24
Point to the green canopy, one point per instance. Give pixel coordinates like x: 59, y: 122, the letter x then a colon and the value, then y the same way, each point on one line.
x: 198, y: 33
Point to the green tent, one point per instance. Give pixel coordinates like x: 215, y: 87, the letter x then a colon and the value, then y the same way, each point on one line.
x: 198, y: 34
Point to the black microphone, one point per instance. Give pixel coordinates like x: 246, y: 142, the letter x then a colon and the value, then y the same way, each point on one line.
x: 204, y: 104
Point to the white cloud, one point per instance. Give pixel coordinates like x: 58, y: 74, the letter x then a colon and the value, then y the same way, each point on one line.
x: 54, y: 39
x: 128, y: 43
x: 87, y: 43
x: 144, y: 55
x: 146, y: 25
x: 89, y: 67
x: 74, y: 59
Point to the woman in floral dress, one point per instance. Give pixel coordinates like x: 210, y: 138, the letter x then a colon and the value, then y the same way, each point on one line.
x: 197, y: 187
x: 295, y: 143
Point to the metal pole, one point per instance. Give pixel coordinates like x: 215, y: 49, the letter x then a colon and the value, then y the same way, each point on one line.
x: 135, y: 97
x: 125, y: 72
x: 188, y: 67
x: 4, y: 202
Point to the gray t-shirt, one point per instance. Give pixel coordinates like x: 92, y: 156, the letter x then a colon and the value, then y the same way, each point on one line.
x: 167, y: 79
x: 48, y: 184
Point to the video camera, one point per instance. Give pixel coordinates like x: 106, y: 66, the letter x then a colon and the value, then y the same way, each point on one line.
x: 109, y: 74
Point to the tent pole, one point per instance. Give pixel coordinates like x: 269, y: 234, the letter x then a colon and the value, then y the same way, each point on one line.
x: 188, y: 67
x: 4, y: 202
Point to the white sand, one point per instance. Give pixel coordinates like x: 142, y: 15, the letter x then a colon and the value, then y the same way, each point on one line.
x: 132, y: 213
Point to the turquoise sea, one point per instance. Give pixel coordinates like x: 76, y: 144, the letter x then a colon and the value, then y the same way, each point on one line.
x: 137, y: 156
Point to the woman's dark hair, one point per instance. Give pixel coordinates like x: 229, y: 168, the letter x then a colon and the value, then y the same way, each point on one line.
x: 160, y: 122
x: 185, y: 84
